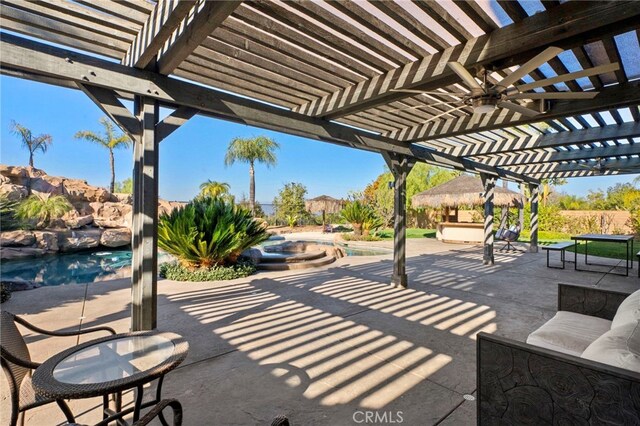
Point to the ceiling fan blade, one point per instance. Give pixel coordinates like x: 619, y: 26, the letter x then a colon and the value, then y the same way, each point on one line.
x: 554, y: 95
x: 602, y: 69
x: 444, y: 113
x: 464, y: 75
x: 532, y: 64
x: 423, y: 92
x: 418, y: 106
x: 518, y: 108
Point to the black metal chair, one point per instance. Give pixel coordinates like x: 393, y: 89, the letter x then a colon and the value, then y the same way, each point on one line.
x: 17, y: 366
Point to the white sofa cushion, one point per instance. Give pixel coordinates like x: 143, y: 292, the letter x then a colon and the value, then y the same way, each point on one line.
x: 619, y: 347
x: 569, y: 333
x: 628, y: 311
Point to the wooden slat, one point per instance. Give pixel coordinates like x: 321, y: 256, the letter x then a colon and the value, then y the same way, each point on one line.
x: 538, y: 156
x: 72, y: 9
x: 207, y: 17
x: 30, y: 56
x: 566, y: 27
x: 116, y: 9
x: 610, y: 97
x: 477, y: 15
x: 442, y: 17
x: 541, y: 169
x: 551, y: 140
x: 165, y: 17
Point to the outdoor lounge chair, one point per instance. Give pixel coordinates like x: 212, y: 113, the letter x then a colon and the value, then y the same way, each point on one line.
x: 508, y: 235
x: 17, y: 365
x: 577, y: 368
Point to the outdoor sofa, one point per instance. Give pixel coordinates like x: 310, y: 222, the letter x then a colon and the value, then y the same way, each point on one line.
x: 581, y: 367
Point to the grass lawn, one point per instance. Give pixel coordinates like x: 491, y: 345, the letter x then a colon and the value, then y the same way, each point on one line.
x: 611, y: 250
x: 387, y: 234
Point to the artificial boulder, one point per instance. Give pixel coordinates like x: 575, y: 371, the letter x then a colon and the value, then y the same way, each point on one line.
x: 79, y: 221
x: 77, y: 190
x: 13, y: 192
x: 8, y: 253
x: 79, y: 240
x: 117, y: 237
x: 17, y: 239
x: 46, y: 240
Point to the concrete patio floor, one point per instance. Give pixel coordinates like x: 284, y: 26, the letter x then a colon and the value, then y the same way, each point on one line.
x: 326, y: 344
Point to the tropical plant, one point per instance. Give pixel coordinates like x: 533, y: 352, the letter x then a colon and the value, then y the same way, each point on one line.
x: 372, y: 224
x: 357, y: 213
x: 124, y: 187
x: 212, y: 188
x: 43, y: 209
x: 110, y: 140
x: 292, y: 219
x: 260, y: 149
x: 8, y: 219
x: 209, y: 232
x: 289, y: 203
x: 32, y: 143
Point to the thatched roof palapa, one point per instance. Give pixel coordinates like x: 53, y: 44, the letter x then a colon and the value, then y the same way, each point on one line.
x: 464, y: 190
x: 324, y: 203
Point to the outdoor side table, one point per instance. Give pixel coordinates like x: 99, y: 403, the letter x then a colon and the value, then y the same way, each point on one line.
x: 110, y: 365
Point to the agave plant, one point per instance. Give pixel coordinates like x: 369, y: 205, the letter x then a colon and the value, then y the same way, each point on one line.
x: 209, y: 232
x: 372, y: 224
x: 43, y: 209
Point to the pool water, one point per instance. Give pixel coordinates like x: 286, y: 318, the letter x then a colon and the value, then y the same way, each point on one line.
x: 70, y: 268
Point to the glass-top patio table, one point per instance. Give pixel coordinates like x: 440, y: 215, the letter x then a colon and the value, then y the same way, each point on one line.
x: 110, y: 365
x: 622, y: 239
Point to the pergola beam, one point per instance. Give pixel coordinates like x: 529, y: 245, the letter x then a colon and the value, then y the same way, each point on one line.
x: 537, y: 157
x: 566, y: 26
x: 618, y: 96
x: 30, y: 56
x: 109, y: 103
x: 546, y: 168
x: 207, y: 16
x: 549, y: 140
x: 166, y: 16
x: 583, y: 172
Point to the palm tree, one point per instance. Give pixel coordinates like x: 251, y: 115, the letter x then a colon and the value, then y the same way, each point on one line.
x: 259, y: 149
x: 213, y: 189
x: 109, y: 140
x: 32, y: 143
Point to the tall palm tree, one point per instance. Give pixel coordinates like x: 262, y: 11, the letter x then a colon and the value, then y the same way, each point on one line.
x: 32, y: 143
x: 260, y: 149
x: 213, y: 189
x: 110, y: 140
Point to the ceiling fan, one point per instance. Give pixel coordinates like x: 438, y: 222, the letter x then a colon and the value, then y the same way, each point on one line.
x: 486, y: 97
x: 600, y: 167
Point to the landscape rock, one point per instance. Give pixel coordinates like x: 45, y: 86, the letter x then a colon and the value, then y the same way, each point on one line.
x: 79, y: 240
x: 47, y: 240
x: 17, y: 175
x: 19, y: 284
x: 78, y: 190
x: 112, y: 215
x: 13, y: 192
x: 122, y: 198
x: 116, y: 237
x: 47, y: 185
x: 79, y: 221
x: 253, y: 254
x: 8, y: 253
x: 17, y: 238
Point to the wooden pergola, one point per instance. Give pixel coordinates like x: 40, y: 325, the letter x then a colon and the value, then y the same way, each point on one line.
x: 339, y: 72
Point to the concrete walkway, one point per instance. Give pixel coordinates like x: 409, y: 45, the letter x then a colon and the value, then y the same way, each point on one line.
x: 329, y: 345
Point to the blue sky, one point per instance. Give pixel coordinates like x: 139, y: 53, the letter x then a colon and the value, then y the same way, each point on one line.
x: 192, y: 154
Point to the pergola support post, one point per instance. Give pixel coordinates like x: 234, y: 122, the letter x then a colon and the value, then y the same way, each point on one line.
x: 400, y: 167
x: 489, y: 184
x: 535, y: 196
x: 144, y: 285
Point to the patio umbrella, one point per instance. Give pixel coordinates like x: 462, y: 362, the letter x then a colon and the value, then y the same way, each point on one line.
x: 324, y: 204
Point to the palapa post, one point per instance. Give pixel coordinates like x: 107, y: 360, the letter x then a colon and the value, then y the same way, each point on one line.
x: 489, y: 183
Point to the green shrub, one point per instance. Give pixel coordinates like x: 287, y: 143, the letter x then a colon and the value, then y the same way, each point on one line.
x: 8, y: 219
x: 5, y: 293
x: 43, y: 209
x: 634, y: 221
x: 177, y: 272
x: 362, y: 217
x: 353, y: 237
x: 209, y: 232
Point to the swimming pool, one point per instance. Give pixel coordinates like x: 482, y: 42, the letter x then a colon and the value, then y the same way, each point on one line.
x: 349, y: 250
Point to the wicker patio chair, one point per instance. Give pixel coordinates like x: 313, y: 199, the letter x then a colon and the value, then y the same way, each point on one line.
x: 17, y: 365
